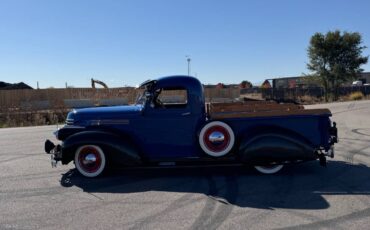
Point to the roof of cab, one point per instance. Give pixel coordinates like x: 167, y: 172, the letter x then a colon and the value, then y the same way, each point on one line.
x: 179, y: 81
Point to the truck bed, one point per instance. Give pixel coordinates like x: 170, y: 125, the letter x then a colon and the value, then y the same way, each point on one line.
x: 219, y: 111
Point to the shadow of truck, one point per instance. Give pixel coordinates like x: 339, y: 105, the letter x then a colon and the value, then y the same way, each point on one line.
x: 296, y: 187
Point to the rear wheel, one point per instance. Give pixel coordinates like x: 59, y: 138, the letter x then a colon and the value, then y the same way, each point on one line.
x: 90, y: 160
x: 271, y: 169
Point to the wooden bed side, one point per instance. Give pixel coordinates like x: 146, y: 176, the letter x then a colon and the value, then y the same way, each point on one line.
x: 259, y: 109
x: 267, y: 107
x: 242, y: 114
x: 251, y: 106
x: 243, y: 103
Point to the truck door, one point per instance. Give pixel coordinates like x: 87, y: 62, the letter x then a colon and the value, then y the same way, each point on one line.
x: 170, y: 127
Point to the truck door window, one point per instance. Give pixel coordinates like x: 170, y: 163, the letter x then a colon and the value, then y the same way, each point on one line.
x: 171, y: 98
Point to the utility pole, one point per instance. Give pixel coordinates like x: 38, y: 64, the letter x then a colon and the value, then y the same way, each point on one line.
x: 188, y: 59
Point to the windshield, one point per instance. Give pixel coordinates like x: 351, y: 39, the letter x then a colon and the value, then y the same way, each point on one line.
x: 140, y: 98
x: 144, y: 89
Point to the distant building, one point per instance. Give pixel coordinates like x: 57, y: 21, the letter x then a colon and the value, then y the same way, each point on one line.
x: 209, y: 86
x: 288, y: 82
x: 364, y: 77
x: 266, y: 84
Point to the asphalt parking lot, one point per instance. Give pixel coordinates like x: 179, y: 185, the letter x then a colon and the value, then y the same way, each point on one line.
x: 306, y: 196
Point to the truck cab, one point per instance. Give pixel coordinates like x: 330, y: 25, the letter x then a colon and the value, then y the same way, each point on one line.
x: 173, y: 111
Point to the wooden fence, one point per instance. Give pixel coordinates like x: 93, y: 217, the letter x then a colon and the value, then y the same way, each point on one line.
x: 43, y: 99
x: 56, y: 98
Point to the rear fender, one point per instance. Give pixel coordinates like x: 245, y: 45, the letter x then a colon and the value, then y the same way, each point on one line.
x: 275, y: 147
x: 117, y: 150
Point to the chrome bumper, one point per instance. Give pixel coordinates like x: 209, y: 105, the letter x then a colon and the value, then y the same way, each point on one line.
x: 55, y: 152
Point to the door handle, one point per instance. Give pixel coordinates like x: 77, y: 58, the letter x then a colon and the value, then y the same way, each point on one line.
x: 185, y: 114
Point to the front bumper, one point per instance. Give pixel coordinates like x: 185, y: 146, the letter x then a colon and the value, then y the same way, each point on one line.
x: 55, y: 152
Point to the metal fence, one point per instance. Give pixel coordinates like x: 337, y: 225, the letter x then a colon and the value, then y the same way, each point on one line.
x: 295, y: 93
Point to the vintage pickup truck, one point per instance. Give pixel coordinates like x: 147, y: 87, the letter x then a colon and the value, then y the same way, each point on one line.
x: 172, y: 125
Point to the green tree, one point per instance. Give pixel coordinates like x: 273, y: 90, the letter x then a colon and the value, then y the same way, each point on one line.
x: 335, y: 58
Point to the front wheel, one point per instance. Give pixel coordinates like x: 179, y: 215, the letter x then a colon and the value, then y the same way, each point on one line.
x: 269, y: 169
x: 90, y: 160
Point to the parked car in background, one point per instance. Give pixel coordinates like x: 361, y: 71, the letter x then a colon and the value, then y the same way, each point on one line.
x: 357, y: 83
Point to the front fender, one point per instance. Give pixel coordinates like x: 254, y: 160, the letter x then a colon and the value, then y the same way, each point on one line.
x: 275, y: 147
x: 118, y: 150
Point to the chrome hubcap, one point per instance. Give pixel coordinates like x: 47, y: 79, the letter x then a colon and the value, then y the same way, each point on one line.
x: 216, y: 137
x: 89, y: 159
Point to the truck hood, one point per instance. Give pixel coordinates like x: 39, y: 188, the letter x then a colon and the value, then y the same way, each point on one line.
x: 83, y: 116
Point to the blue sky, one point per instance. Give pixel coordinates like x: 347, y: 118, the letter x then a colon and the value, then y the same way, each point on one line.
x: 127, y: 42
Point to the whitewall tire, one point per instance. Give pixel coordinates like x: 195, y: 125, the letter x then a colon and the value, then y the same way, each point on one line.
x: 269, y: 169
x: 90, y: 160
x: 216, y: 139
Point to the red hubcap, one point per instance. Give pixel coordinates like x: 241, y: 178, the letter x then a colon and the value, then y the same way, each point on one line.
x: 216, y: 146
x: 84, y: 159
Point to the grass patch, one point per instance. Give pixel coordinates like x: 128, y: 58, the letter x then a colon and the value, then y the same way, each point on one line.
x: 356, y: 96
x: 31, y: 118
x: 307, y: 99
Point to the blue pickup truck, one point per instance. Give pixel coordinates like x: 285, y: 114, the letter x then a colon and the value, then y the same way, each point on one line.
x: 172, y: 125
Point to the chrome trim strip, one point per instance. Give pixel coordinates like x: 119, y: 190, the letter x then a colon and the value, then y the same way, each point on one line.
x: 110, y: 122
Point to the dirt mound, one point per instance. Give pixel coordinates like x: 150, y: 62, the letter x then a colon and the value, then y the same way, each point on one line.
x: 9, y: 86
